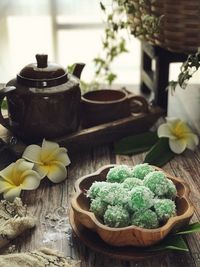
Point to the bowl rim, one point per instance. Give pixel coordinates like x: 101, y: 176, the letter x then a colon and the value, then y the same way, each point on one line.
x: 168, y: 225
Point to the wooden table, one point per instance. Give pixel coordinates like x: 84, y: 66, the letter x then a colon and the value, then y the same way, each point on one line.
x: 50, y: 203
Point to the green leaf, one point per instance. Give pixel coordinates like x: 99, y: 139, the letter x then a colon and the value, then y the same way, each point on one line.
x: 160, y: 153
x: 4, y: 104
x: 191, y: 228
x: 111, y: 77
x: 70, y: 68
x: 110, y: 17
x: 122, y: 46
x: 102, y: 6
x: 98, y: 60
x: 136, y: 143
x: 171, y: 242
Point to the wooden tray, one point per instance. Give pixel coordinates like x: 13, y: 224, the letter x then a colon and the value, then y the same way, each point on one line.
x: 94, y: 242
x: 97, y: 135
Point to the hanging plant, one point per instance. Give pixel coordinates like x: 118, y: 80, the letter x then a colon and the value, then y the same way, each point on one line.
x: 144, y: 19
x: 188, y: 68
x: 119, y: 16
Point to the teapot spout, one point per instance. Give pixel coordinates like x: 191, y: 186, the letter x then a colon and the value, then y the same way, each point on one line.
x: 78, y: 69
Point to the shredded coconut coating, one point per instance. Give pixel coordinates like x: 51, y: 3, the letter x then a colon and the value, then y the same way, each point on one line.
x: 165, y: 208
x: 146, y: 219
x: 157, y: 182
x: 141, y: 170
x: 116, y: 216
x: 118, y: 174
x: 131, y: 182
x: 114, y: 194
x: 98, y: 207
x: 140, y: 198
x: 95, y: 188
x: 171, y: 190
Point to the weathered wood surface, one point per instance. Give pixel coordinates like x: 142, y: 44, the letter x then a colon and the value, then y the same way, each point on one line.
x: 50, y: 202
x: 100, y: 134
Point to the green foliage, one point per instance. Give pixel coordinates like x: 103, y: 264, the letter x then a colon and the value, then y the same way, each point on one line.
x: 160, y: 153
x: 83, y: 85
x: 172, y: 242
x: 113, y: 43
x: 136, y: 143
x: 4, y: 104
x: 176, y: 241
x: 191, y: 228
x: 137, y: 18
x: 70, y: 68
x: 188, y: 68
x: 117, y: 20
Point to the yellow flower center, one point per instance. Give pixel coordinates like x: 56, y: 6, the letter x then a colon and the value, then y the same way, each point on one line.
x: 178, y: 131
x: 17, y: 180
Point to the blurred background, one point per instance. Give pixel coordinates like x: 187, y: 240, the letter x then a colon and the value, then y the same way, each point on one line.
x: 71, y: 31
x: 68, y: 31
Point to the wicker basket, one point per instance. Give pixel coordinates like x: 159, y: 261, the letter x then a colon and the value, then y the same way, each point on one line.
x: 180, y: 24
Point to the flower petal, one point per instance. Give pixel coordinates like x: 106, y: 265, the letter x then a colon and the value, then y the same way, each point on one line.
x: 7, y: 172
x: 62, y: 156
x: 164, y: 131
x: 41, y: 169
x: 21, y: 166
x: 4, y: 186
x: 57, y: 172
x: 33, y: 153
x: 172, y: 120
x: 192, y: 141
x: 31, y: 180
x: 11, y: 194
x: 183, y: 128
x: 178, y: 145
x: 47, y: 149
x: 49, y: 145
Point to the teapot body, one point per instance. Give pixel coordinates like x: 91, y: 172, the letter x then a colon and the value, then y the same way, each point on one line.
x: 35, y: 114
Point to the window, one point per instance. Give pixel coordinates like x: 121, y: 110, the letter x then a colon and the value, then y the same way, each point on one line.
x: 68, y: 31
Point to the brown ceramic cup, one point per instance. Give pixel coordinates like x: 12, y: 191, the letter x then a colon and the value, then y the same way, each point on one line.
x: 106, y: 105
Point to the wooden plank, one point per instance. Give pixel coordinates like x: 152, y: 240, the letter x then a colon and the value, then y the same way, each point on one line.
x: 147, y: 78
x: 50, y: 202
x: 187, y: 167
x: 97, y: 135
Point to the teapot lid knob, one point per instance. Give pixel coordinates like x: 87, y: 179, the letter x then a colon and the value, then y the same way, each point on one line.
x: 42, y: 60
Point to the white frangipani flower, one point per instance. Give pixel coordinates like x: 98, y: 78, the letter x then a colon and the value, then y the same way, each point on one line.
x: 16, y: 177
x: 180, y: 135
x: 49, y: 160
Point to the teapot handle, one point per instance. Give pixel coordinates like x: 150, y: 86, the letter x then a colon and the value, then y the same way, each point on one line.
x: 3, y: 93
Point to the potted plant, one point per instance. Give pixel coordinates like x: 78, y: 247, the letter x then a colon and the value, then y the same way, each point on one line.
x: 168, y: 23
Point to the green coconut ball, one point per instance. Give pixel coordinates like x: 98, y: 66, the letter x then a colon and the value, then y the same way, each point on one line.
x: 157, y: 182
x: 140, y: 198
x: 114, y: 194
x: 171, y: 191
x: 141, y: 170
x: 165, y: 208
x: 131, y: 182
x: 94, y: 189
x: 98, y: 207
x: 118, y: 174
x: 116, y: 216
x: 146, y: 219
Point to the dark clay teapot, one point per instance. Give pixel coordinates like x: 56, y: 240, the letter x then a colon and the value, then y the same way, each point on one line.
x: 43, y: 101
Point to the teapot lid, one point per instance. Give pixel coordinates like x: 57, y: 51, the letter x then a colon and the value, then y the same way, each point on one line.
x: 42, y: 74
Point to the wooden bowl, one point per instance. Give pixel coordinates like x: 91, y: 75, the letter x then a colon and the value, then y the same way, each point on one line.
x: 131, y: 235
